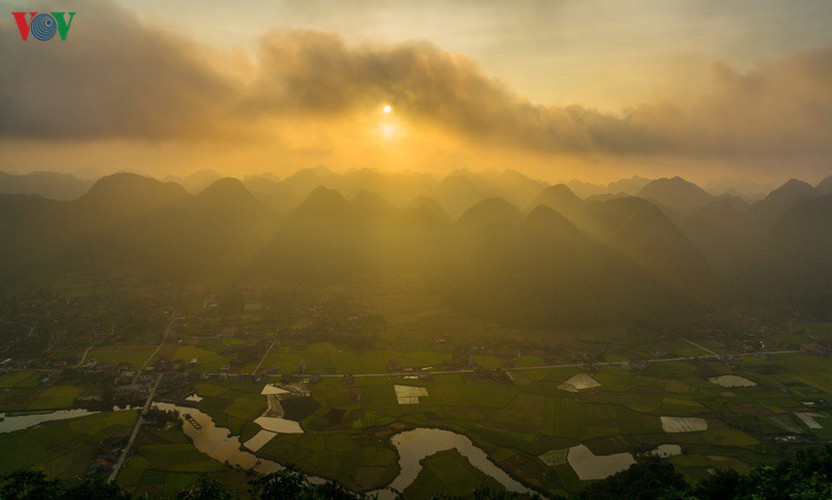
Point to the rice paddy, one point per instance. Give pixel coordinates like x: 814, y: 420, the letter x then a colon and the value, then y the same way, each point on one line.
x: 589, y: 466
x: 548, y: 428
x: 683, y: 424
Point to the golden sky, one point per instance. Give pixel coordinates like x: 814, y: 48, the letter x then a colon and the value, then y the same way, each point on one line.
x: 595, y: 90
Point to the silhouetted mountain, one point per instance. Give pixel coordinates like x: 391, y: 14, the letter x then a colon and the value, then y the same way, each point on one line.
x: 396, y: 187
x: 792, y: 267
x: 544, y: 272
x: 327, y: 237
x: 824, y: 186
x: 59, y: 236
x: 32, y: 230
x: 584, y: 262
x: 423, y: 233
x: 642, y: 232
x: 195, y: 182
x: 410, y: 238
x: 723, y: 231
x: 120, y: 196
x: 318, y: 241
x: 734, y: 201
x: 99, y: 217
x: 461, y: 189
x: 431, y: 205
x: 458, y: 193
x: 215, y: 233
x: 748, y: 190
x: 585, y: 189
x: 262, y: 185
x: 286, y: 195
x: 229, y: 194
x: 489, y: 211
x: 630, y: 185
x: 369, y: 205
x: 605, y: 197
x: 546, y: 222
x: 782, y: 199
x: 515, y: 187
x: 218, y: 232
x: 676, y: 194
x: 51, y: 185
x: 25, y: 210
x: 559, y: 198
x: 323, y: 204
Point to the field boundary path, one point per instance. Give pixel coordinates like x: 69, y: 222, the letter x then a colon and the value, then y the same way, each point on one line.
x: 155, y: 351
x: 84, y: 356
x: 545, y: 367
x: 694, y: 344
x: 139, y: 421
x: 254, y: 372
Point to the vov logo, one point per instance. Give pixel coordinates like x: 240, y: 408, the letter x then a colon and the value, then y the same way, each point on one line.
x: 43, y: 26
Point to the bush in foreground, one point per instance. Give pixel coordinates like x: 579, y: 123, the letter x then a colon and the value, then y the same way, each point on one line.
x: 805, y: 476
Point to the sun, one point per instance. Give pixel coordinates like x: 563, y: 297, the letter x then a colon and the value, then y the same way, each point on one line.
x: 389, y: 127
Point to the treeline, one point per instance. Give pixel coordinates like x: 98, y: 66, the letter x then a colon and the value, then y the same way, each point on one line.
x: 805, y: 476
x: 288, y: 484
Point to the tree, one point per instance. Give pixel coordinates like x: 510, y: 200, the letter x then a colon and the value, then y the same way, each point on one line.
x: 287, y: 483
x: 96, y: 488
x: 648, y: 480
x: 290, y: 484
x: 485, y: 493
x: 205, y: 488
x: 29, y: 485
x: 724, y: 483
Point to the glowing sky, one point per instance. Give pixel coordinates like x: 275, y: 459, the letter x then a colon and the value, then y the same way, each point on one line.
x: 596, y: 53
x: 559, y: 89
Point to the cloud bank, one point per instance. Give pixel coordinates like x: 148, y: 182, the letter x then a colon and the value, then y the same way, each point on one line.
x: 119, y: 78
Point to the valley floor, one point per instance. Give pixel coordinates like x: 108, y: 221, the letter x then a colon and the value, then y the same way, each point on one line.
x: 358, y: 364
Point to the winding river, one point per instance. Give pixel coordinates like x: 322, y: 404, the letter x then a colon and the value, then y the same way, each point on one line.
x: 217, y: 442
x: 413, y: 446
x: 11, y: 423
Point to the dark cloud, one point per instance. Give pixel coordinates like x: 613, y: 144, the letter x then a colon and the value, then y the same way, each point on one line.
x: 784, y: 108
x: 112, y: 78
x: 117, y: 77
x: 313, y: 72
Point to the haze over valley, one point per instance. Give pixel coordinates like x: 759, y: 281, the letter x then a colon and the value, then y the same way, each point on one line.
x: 416, y: 250
x: 498, y: 245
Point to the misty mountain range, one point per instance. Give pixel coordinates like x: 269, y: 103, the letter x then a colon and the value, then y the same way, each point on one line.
x: 497, y: 245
